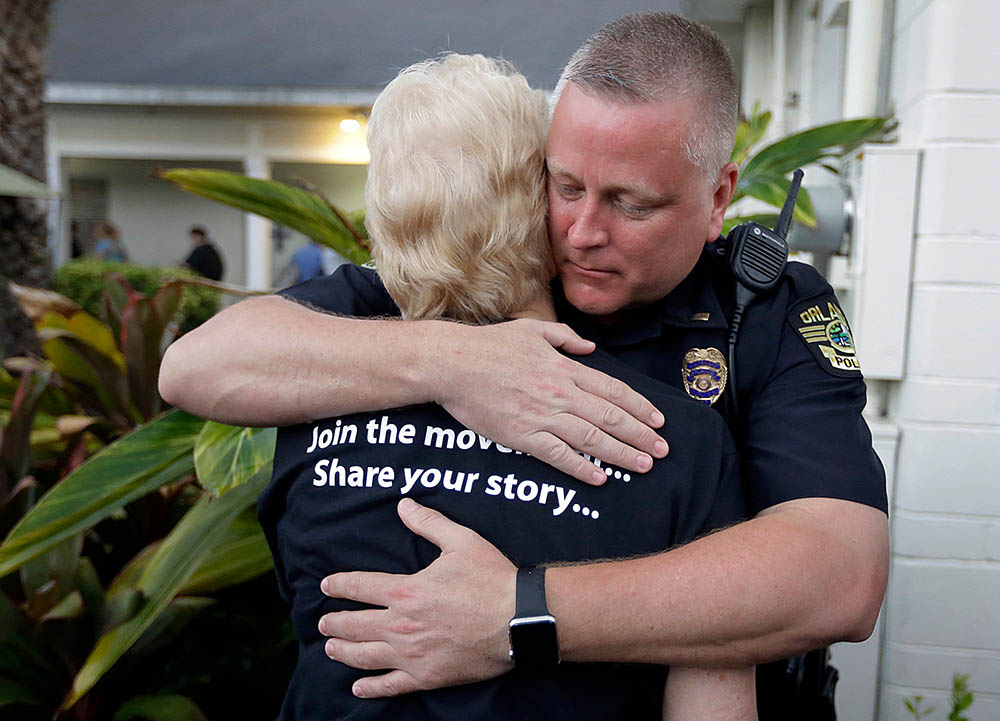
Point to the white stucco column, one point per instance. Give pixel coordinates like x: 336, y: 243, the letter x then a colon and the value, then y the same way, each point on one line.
x: 778, y: 66
x: 258, y: 232
x: 58, y: 240
x: 864, y: 45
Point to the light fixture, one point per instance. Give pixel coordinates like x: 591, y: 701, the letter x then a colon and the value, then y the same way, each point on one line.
x: 350, y: 125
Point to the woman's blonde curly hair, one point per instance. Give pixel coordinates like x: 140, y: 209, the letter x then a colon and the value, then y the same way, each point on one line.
x: 455, y: 199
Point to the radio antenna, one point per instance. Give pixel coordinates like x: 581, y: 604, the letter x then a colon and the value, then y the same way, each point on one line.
x: 785, y: 219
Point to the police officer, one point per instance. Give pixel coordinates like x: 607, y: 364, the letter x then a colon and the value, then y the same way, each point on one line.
x: 638, y: 186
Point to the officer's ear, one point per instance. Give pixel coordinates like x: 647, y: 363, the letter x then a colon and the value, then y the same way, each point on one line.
x: 722, y: 190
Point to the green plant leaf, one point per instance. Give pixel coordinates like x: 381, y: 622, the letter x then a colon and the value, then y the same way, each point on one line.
x: 14, y: 446
x: 294, y: 208
x: 226, y: 456
x: 36, y: 302
x: 173, y: 563
x: 164, y: 629
x: 119, y: 607
x: 808, y: 146
x: 89, y: 330
x: 131, y: 572
x: 241, y: 555
x: 22, y: 659
x: 116, y: 293
x: 774, y: 192
x: 70, y: 606
x: 80, y: 354
x: 749, y: 132
x: 961, y: 697
x: 58, y: 564
x: 153, y: 455
x: 161, y: 707
x: 12, y: 692
x: 89, y: 585
x: 144, y: 322
x: 768, y: 219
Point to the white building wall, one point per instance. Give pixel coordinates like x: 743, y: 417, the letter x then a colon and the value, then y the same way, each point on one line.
x: 943, y: 604
x: 154, y: 216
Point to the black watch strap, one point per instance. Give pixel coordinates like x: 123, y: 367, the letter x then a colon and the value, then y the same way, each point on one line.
x: 530, y: 596
x: 534, y: 644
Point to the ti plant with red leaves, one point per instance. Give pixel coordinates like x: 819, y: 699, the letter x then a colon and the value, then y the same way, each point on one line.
x: 119, y: 520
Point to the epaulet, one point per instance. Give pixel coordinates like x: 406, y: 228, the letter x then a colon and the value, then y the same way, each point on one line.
x: 805, y: 280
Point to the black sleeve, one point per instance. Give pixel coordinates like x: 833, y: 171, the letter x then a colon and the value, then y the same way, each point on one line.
x: 349, y: 290
x: 805, y: 435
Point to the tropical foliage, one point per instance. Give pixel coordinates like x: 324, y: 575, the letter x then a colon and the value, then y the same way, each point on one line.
x: 301, y: 209
x: 83, y: 281
x: 959, y: 701
x: 765, y: 173
x: 114, y: 535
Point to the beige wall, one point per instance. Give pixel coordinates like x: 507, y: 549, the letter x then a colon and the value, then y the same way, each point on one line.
x: 154, y: 216
x: 122, y: 145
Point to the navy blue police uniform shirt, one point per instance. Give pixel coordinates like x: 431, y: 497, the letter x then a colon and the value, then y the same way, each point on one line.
x: 331, y: 506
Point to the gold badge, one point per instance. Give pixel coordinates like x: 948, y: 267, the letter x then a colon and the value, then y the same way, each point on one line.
x: 704, y: 374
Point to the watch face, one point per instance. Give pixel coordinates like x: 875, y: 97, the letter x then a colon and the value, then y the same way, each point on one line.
x: 534, y: 643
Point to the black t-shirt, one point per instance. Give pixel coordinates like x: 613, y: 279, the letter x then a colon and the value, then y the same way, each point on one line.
x: 331, y: 507
x: 205, y: 261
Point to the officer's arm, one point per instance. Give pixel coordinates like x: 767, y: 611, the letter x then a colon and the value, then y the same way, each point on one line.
x: 269, y: 361
x: 801, y: 575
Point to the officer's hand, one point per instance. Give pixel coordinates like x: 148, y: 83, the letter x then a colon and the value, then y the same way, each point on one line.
x: 507, y: 382
x: 443, y: 626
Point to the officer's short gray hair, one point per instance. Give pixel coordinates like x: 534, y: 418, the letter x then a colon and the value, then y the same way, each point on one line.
x: 654, y: 55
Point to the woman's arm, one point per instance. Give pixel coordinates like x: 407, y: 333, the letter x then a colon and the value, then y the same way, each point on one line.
x: 710, y: 694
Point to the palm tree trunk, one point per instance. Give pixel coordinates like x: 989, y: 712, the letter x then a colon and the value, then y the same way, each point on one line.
x: 24, y: 256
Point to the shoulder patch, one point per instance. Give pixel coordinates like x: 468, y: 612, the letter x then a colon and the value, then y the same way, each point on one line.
x: 822, y: 326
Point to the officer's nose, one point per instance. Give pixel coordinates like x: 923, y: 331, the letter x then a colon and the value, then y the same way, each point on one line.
x: 588, y: 229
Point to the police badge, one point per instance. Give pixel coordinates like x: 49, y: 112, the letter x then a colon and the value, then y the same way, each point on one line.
x: 704, y: 374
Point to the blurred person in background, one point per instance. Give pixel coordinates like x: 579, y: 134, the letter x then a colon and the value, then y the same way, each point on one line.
x: 204, y: 258
x: 305, y: 264
x: 108, y: 244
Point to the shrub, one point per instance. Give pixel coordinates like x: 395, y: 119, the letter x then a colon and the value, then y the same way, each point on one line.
x: 83, y: 281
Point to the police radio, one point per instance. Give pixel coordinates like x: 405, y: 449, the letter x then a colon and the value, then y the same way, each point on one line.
x: 757, y: 256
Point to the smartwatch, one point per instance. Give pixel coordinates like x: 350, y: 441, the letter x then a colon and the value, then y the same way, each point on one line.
x: 533, y: 641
